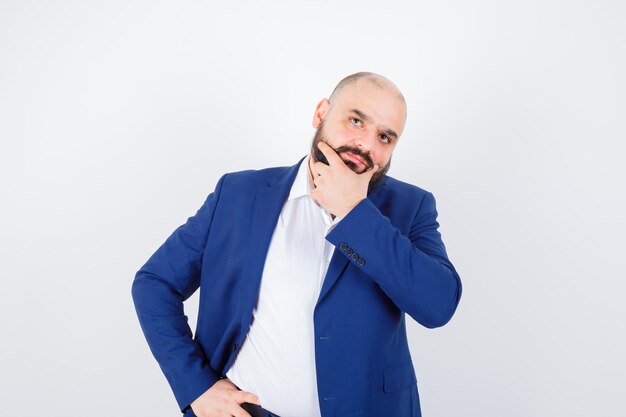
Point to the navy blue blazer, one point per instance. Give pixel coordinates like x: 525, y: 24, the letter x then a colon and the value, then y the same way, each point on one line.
x: 389, y: 259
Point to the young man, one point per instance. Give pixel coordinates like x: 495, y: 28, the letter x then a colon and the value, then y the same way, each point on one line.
x: 305, y: 273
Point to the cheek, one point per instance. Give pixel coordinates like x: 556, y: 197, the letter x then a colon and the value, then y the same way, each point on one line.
x: 383, y: 159
x: 339, y: 137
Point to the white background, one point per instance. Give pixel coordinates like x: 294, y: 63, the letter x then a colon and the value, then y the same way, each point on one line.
x: 117, y: 118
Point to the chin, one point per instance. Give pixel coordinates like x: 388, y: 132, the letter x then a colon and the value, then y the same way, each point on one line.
x: 359, y: 169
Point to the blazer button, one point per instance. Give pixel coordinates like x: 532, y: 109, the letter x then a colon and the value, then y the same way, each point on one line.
x: 343, y: 246
x: 355, y: 256
x: 360, y: 261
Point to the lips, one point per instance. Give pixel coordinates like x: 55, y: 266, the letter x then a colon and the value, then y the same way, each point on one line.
x: 356, y: 158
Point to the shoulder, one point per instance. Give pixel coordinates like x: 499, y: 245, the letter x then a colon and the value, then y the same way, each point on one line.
x: 401, y: 190
x: 251, y: 179
x: 407, y: 201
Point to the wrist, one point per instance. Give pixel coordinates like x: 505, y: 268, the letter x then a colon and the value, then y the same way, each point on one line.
x: 343, y: 213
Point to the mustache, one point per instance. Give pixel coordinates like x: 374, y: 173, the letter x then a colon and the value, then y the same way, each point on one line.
x: 342, y: 149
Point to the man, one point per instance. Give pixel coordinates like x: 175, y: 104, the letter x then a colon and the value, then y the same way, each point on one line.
x: 305, y: 275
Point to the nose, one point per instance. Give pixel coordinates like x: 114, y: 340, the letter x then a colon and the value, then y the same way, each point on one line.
x: 366, y: 141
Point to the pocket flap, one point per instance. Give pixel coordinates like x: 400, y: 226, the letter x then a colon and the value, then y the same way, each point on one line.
x: 398, y: 377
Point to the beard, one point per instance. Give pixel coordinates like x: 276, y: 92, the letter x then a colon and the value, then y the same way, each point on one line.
x: 318, y: 156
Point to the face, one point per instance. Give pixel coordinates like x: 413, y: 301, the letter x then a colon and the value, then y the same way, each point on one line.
x: 362, y: 125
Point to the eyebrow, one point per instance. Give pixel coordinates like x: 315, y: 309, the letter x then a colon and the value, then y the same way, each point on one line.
x: 388, y: 132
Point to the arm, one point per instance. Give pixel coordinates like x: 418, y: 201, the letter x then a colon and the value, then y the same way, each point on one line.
x: 414, y: 270
x: 169, y: 277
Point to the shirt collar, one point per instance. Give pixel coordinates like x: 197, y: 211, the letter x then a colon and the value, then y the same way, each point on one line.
x: 302, y: 183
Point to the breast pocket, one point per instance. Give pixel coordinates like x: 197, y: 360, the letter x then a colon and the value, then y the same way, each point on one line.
x: 398, y: 377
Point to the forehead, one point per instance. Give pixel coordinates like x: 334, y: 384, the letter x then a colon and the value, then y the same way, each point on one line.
x: 381, y: 103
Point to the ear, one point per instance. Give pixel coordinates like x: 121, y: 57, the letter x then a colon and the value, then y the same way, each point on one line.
x: 320, y: 112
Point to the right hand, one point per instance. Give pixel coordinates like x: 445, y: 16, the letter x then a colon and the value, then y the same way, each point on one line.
x: 222, y: 400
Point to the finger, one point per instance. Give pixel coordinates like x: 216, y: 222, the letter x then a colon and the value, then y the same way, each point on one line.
x: 237, y: 411
x: 319, y: 168
x: 318, y: 180
x: 370, y: 172
x: 246, y: 397
x: 330, y: 154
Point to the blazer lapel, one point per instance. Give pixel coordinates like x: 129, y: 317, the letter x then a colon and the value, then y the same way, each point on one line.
x: 268, y: 203
x: 339, y: 261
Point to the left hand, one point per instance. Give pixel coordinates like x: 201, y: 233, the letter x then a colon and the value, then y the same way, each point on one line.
x: 338, y: 189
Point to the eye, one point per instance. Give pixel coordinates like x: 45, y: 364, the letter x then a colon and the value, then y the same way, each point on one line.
x: 355, y: 121
x: 385, y: 138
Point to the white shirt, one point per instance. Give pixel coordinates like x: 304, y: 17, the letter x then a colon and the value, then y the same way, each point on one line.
x: 277, y: 358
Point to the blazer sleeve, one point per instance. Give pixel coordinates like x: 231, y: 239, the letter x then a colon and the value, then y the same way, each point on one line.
x: 169, y: 277
x: 414, y: 270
